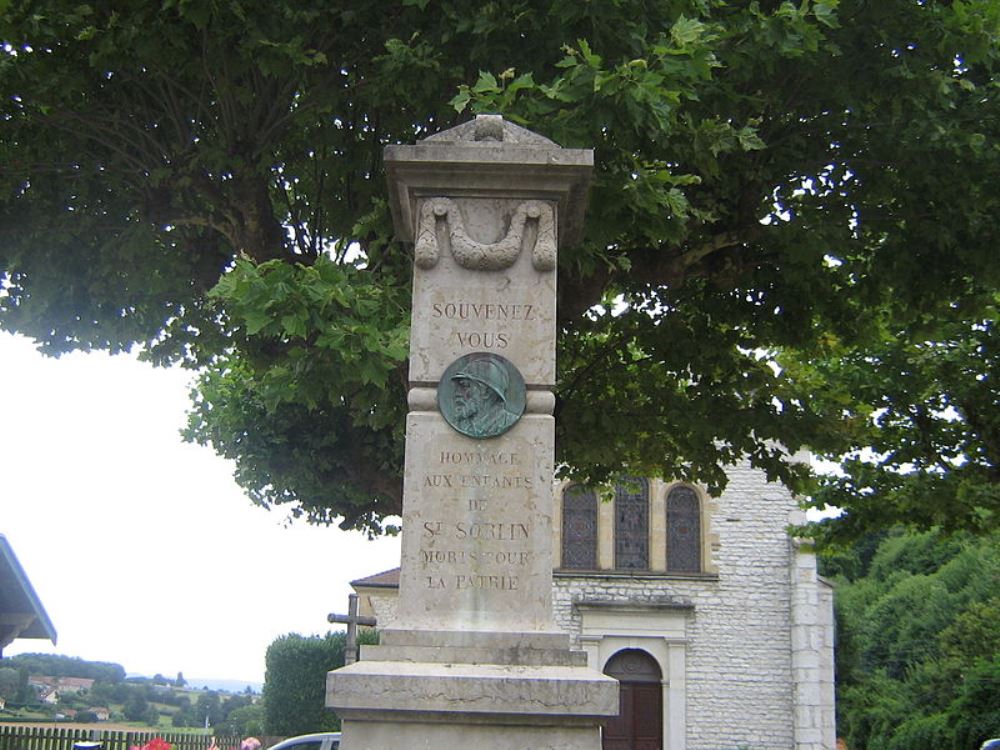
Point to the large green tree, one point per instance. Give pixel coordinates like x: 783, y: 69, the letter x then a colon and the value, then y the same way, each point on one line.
x: 790, y: 238
x: 918, y: 641
x: 295, y: 681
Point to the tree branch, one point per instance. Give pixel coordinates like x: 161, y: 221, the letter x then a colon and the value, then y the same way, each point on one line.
x: 655, y: 266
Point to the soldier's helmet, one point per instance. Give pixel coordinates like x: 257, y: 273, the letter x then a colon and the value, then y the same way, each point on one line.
x: 487, y: 372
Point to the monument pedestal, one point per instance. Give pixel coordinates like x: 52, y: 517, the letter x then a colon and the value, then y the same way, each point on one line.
x: 474, y: 660
x: 472, y: 689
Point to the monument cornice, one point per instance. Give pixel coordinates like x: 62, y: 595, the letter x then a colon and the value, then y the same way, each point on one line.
x: 468, y: 168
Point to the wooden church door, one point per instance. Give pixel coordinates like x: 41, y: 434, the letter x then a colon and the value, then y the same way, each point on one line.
x: 639, y: 724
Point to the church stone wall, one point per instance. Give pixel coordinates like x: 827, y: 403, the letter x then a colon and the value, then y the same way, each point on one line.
x: 741, y: 687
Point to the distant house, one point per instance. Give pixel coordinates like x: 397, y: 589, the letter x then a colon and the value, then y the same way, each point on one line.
x: 49, y: 695
x: 3, y: 703
x: 102, y: 713
x: 46, y: 685
x: 73, y: 684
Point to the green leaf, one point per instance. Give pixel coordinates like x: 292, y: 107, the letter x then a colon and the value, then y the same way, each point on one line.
x: 461, y: 100
x: 826, y: 12
x: 256, y: 321
x: 593, y: 60
x: 749, y: 140
x: 487, y: 83
x: 294, y: 325
x: 686, y: 31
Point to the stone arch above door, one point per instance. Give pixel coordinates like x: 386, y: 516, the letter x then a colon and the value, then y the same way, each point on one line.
x: 634, y: 665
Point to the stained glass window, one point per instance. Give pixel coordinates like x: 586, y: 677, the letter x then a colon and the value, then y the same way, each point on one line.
x: 579, y: 528
x: 632, y: 525
x: 683, y: 531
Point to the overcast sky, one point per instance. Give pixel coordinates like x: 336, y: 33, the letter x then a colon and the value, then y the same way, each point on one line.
x: 142, y: 548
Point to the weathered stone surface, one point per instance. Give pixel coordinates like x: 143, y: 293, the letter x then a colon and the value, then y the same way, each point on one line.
x: 476, y: 647
x: 462, y: 162
x: 530, y: 694
x: 377, y: 735
x: 477, y: 540
x: 490, y: 288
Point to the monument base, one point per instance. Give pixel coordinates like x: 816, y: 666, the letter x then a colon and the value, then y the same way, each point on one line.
x: 531, y: 648
x: 471, y: 689
x: 455, y: 735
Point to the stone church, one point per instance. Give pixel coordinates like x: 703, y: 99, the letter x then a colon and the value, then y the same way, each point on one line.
x: 710, y: 615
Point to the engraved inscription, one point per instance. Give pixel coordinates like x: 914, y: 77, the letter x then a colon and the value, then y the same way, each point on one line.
x: 478, y: 339
x: 477, y: 539
x: 483, y: 567
x: 487, y: 481
x: 495, y: 461
x: 501, y: 583
x: 498, y: 532
x: 482, y: 311
x: 461, y: 556
x: 481, y: 340
x: 478, y: 459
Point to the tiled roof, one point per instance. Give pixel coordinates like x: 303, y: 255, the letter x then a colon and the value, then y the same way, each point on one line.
x: 388, y: 579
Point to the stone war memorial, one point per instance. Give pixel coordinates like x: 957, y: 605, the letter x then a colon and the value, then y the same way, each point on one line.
x: 474, y: 659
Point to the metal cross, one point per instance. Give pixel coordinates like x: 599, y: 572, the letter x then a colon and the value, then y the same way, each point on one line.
x: 352, y: 619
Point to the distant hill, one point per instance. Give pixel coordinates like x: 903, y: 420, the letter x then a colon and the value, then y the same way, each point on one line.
x: 55, y: 665
x: 221, y: 685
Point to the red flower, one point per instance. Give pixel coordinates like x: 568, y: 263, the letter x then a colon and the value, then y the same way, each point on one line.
x: 157, y: 743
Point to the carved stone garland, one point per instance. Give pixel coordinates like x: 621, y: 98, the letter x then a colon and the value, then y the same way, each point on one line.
x: 482, y: 256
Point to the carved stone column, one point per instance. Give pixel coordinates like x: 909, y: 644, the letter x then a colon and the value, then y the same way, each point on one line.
x: 474, y: 658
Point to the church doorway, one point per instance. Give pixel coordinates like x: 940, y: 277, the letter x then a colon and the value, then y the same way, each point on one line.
x: 639, y: 724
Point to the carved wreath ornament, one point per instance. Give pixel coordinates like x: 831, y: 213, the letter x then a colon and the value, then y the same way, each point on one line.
x: 482, y: 256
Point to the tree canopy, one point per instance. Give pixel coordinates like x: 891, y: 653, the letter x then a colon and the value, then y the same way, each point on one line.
x: 918, y: 640
x: 57, y: 665
x: 790, y: 239
x: 295, y: 681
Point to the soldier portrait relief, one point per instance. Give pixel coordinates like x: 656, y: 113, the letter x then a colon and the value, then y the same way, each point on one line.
x: 481, y: 395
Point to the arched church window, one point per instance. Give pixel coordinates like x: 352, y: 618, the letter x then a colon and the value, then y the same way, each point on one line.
x: 632, y: 524
x: 579, y: 528
x: 683, y: 531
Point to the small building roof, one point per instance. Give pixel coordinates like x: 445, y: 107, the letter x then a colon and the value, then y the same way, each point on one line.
x: 387, y: 579
x: 21, y: 612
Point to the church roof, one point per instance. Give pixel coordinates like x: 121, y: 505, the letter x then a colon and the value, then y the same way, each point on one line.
x: 21, y: 612
x: 387, y: 579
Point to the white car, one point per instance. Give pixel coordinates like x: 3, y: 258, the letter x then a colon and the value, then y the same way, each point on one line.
x: 319, y: 741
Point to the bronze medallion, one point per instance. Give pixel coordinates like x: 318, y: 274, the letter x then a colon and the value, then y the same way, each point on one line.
x: 481, y: 395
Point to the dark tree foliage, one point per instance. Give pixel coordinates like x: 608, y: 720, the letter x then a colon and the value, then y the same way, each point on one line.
x: 918, y: 643
x: 208, y: 708
x: 136, y: 707
x: 791, y: 235
x: 10, y: 683
x: 54, y: 665
x: 295, y: 682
